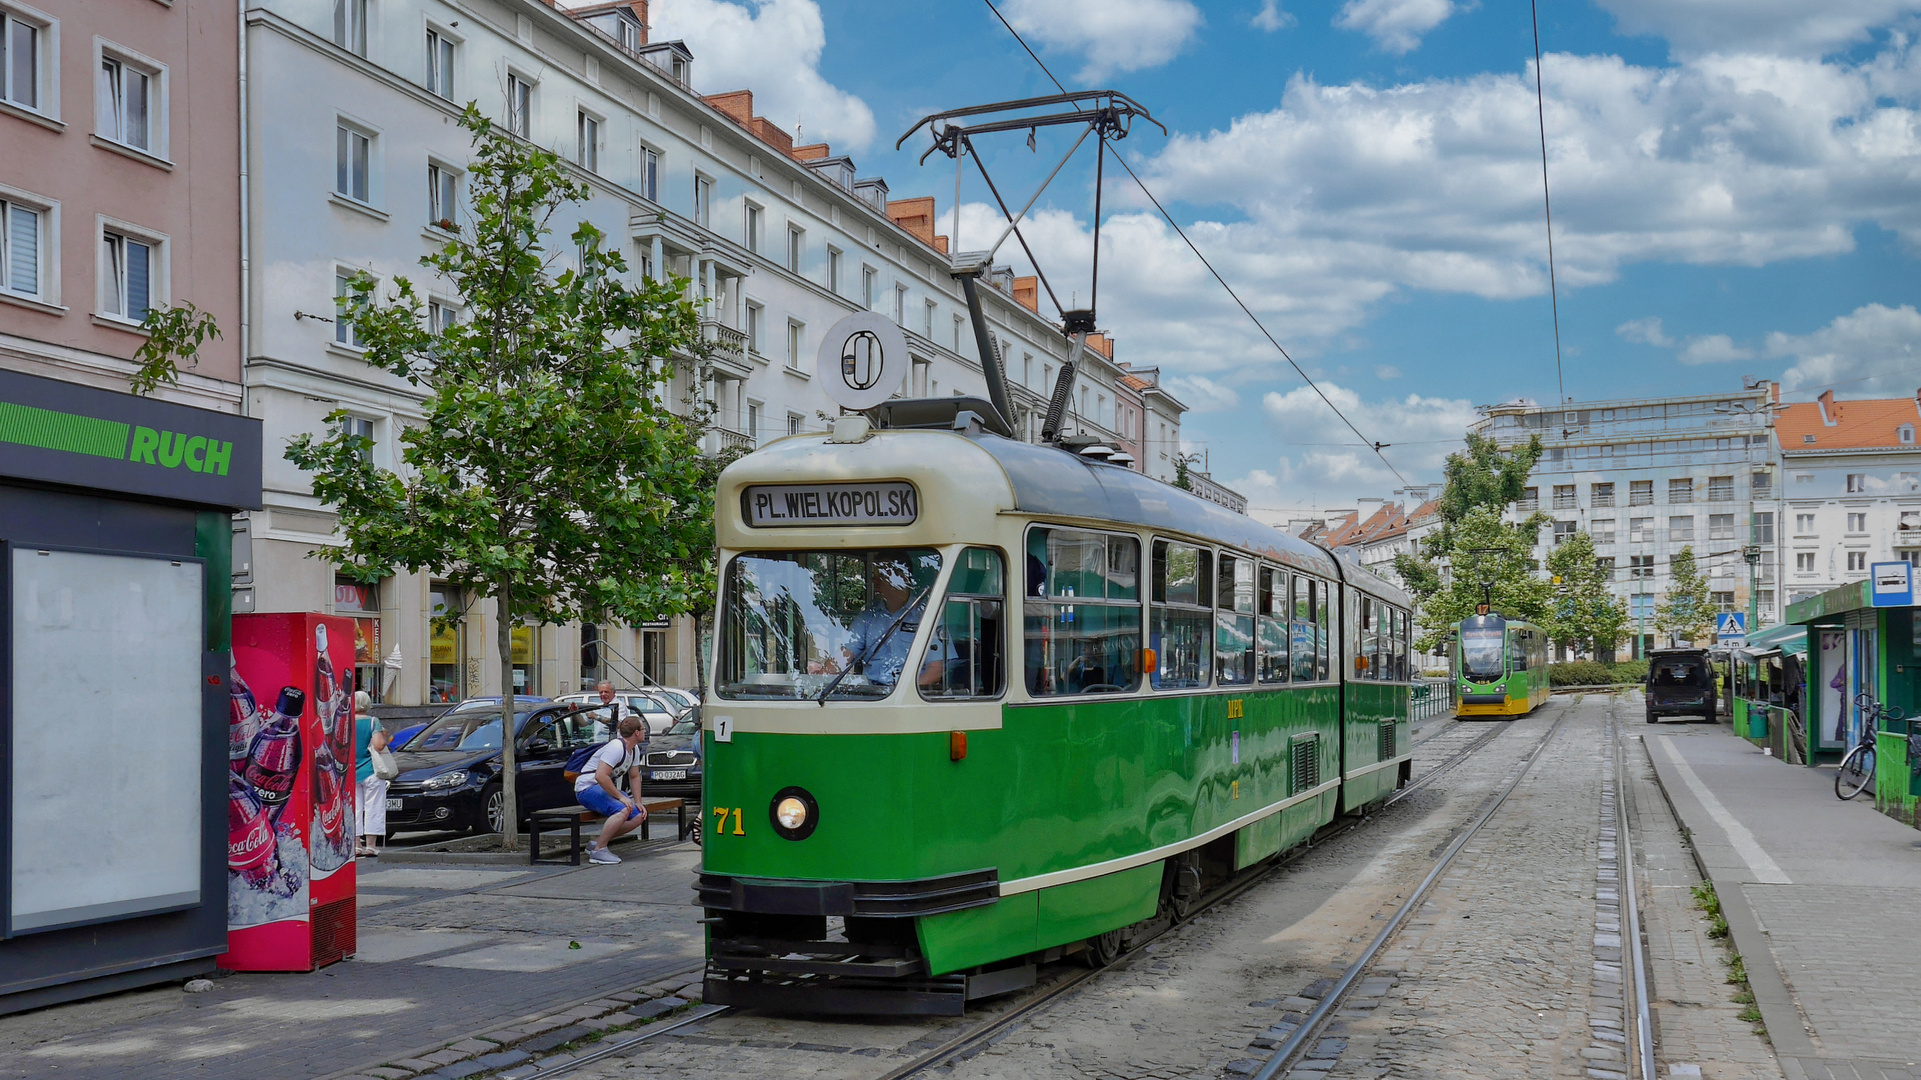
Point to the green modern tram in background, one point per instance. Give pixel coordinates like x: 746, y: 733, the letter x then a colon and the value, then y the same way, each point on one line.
x: 1501, y: 665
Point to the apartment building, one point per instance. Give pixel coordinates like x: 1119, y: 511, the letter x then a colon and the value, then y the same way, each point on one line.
x: 1647, y: 477
x: 355, y: 163
x: 1850, y: 489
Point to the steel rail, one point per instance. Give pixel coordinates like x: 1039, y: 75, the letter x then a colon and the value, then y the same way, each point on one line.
x: 1285, y: 1055
x: 601, y: 1053
x: 1631, y: 907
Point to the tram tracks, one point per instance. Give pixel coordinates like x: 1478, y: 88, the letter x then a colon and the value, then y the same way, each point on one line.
x: 985, y: 1032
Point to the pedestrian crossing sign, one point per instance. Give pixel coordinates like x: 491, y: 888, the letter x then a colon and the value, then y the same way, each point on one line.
x: 1731, y: 627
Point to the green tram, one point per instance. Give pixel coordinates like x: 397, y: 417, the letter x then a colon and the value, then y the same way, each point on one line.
x: 916, y: 792
x: 1501, y: 665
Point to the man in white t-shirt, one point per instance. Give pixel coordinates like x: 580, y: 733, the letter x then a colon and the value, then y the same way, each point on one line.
x: 597, y: 787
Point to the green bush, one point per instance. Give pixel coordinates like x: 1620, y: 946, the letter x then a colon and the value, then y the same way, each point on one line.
x: 1579, y: 673
x: 1630, y: 671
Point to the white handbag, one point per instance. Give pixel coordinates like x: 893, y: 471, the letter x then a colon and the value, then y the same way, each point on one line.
x: 385, y: 767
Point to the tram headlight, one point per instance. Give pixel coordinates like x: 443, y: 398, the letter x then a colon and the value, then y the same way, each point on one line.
x: 794, y: 813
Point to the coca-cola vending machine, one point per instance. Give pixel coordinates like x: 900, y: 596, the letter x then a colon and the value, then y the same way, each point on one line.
x: 290, y: 793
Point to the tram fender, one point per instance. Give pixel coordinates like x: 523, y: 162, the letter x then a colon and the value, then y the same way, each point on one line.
x: 959, y: 940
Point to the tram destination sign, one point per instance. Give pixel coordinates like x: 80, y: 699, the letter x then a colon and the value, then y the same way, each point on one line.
x: 797, y: 505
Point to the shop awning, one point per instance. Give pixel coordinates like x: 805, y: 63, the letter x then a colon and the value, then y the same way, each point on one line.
x: 1788, y: 638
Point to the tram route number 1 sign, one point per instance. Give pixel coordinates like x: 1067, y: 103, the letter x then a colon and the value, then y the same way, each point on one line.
x: 794, y: 505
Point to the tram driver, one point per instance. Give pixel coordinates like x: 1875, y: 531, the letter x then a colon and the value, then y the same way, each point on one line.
x: 876, y: 647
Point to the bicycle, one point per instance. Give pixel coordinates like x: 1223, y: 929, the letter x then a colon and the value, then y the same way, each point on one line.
x: 1857, y: 768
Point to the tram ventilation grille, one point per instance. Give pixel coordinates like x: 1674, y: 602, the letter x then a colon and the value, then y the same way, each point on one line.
x: 1306, y: 763
x: 1387, y: 741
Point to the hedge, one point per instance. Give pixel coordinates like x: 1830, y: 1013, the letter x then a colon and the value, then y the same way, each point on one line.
x: 1595, y: 673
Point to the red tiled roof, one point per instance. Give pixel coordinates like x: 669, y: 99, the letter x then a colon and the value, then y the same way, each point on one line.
x: 1869, y: 424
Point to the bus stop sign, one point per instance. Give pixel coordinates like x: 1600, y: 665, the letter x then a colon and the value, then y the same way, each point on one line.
x: 1893, y: 584
x: 1731, y: 627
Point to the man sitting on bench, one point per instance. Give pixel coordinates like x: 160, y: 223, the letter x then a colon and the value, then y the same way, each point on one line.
x: 597, y: 788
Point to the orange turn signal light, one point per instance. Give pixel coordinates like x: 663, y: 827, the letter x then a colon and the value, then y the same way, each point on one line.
x: 1149, y: 662
x: 956, y: 745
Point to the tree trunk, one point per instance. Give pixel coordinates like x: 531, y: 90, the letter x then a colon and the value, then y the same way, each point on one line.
x: 510, y: 804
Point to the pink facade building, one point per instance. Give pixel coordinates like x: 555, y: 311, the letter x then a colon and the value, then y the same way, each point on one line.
x: 119, y: 186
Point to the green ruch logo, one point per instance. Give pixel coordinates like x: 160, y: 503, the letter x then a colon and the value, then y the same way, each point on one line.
x: 49, y: 430
x: 172, y: 449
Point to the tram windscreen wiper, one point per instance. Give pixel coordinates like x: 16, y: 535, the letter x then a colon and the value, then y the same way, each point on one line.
x: 868, y: 653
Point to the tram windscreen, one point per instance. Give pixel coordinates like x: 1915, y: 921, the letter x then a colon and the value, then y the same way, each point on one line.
x: 1481, y: 654
x: 800, y: 624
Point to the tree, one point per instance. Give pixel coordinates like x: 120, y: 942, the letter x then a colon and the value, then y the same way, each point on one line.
x: 549, y: 471
x: 1583, y: 613
x: 173, y: 334
x: 1474, y: 545
x: 1685, y: 612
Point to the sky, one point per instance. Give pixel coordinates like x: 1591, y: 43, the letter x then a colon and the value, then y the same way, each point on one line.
x: 1736, y: 194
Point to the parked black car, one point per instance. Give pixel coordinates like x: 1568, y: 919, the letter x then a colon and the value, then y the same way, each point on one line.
x: 1680, y: 683
x: 671, y: 768
x: 450, y: 772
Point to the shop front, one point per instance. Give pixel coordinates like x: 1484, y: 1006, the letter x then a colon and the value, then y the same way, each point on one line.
x: 1766, y: 679
x: 1864, y: 646
x: 116, y: 530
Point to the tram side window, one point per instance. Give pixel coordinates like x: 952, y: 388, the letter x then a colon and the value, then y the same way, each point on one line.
x: 1271, y: 610
x: 1517, y: 651
x: 1324, y: 637
x: 1303, y: 629
x: 966, y: 652
x: 1403, y: 646
x: 1234, y: 622
x: 1371, y: 638
x: 1082, y: 616
x: 1182, y: 634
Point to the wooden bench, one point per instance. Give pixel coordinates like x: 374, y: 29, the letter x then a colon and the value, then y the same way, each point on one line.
x: 573, y: 817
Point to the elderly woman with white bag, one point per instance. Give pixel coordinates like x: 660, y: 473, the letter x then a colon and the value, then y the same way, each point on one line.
x: 373, y: 768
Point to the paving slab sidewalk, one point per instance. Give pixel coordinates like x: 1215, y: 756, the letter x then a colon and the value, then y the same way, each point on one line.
x: 1823, y: 898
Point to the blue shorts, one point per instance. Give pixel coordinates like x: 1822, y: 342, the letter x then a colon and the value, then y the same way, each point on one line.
x: 596, y: 799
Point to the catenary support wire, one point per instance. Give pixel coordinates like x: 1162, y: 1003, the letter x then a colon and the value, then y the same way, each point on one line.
x: 1547, y: 206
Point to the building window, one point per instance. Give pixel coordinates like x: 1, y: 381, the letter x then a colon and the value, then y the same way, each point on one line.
x: 1905, y: 434
x: 20, y: 61
x: 1803, y: 524
x: 1563, y: 532
x: 1762, y: 483
x: 446, y: 643
x: 1720, y: 526
x: 21, y: 269
x: 1722, y: 601
x: 1564, y: 497
x: 587, y: 142
x: 795, y: 342
x: 1857, y: 483
x: 1857, y: 560
x: 353, y: 151
x: 1681, y: 529
x: 1720, y: 489
x: 793, y: 423
x: 1804, y: 562
x: 127, y: 268
x: 1640, y: 493
x: 1681, y: 490
x: 796, y: 247
x: 703, y: 201
x: 833, y: 271
x: 900, y: 306
x: 1606, y: 566
x: 754, y: 316
x: 1639, y: 528
x: 753, y: 423
x: 649, y: 174
x: 1601, y: 495
x: 1530, y: 499
x: 124, y: 100
x: 520, y: 106
x: 1762, y: 531
x: 957, y: 332
x: 1641, y: 566
x: 1602, y: 529
x: 440, y: 65
x: 1857, y: 523
x: 441, y: 315
x: 869, y: 277
x: 345, y: 331
x: 927, y: 320
x: 442, y: 192
x: 359, y: 432
x: 753, y: 228
x: 350, y: 26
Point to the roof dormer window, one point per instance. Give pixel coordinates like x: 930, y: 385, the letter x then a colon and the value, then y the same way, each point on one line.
x: 1905, y: 434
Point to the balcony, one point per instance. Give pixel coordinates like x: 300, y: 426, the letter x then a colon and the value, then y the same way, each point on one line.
x: 723, y: 441
x: 724, y: 339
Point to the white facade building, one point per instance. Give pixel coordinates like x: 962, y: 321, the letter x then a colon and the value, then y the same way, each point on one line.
x: 1850, y: 489
x: 354, y: 161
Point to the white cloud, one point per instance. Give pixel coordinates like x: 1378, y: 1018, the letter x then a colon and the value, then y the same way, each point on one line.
x: 1385, y: 372
x: 1713, y: 349
x: 1322, y: 457
x: 1271, y: 18
x: 1873, y: 350
x: 1201, y: 394
x: 1112, y: 35
x: 1788, y: 27
x: 1395, y: 25
x: 1644, y: 332
x: 773, y: 48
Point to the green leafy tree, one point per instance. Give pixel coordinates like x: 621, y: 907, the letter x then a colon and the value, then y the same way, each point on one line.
x: 548, y: 471
x: 1583, y: 613
x: 174, y: 334
x: 1685, y: 611
x: 1474, y: 545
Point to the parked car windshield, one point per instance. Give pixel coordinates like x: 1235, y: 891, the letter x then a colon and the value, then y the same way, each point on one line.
x: 795, y: 623
x: 1481, y: 653
x: 471, y: 730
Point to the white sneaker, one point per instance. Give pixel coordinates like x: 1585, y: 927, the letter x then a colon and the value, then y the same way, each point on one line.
x: 602, y: 856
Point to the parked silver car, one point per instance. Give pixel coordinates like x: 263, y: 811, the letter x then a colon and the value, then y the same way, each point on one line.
x: 660, y: 714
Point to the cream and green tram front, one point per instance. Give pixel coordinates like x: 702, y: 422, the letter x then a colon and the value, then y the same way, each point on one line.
x: 975, y: 703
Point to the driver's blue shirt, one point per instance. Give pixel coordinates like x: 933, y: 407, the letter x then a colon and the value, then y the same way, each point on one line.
x: 884, y: 665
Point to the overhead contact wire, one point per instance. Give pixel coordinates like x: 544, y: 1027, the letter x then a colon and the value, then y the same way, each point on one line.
x: 1547, y: 206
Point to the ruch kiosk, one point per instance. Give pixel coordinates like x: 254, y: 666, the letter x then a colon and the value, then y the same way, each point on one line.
x: 116, y: 546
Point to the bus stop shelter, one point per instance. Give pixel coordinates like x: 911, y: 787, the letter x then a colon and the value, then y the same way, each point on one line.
x: 1862, y: 639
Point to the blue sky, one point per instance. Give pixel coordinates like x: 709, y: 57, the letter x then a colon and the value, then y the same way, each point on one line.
x: 1737, y: 194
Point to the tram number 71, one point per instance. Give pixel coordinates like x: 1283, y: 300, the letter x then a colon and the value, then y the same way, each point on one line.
x: 720, y: 821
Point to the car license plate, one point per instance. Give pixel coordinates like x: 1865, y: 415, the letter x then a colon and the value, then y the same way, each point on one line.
x: 669, y: 774
x: 393, y: 804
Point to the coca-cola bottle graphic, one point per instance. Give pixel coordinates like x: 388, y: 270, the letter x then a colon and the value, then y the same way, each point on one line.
x: 245, y: 721
x: 273, y: 761
x: 253, y: 844
x: 333, y: 787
